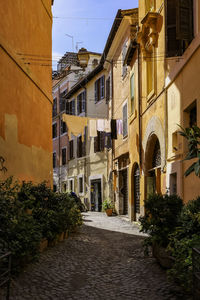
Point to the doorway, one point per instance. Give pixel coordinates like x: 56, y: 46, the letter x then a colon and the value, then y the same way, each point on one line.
x: 136, y: 175
x: 96, y: 197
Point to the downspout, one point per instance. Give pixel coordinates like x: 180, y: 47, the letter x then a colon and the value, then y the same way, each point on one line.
x: 59, y: 145
x: 139, y: 109
x: 112, y: 114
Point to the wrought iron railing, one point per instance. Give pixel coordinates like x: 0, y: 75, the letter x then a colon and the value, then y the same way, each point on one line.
x: 5, y: 268
x: 196, y: 273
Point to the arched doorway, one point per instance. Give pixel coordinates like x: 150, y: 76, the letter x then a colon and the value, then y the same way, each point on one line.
x: 153, y: 165
x: 136, y: 183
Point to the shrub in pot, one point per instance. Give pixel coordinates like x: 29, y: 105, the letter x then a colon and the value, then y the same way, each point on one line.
x: 108, y: 206
x: 185, y: 237
x: 161, y: 219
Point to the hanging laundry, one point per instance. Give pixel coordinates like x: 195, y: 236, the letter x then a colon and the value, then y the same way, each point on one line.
x: 107, y: 126
x: 119, y: 126
x: 75, y: 125
x: 100, y: 124
x: 92, y: 127
x: 108, y: 140
x: 113, y: 126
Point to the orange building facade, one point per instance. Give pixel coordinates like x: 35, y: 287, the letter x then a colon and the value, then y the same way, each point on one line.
x: 26, y: 100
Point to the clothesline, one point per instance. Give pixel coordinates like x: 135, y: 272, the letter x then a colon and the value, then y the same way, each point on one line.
x: 76, y: 126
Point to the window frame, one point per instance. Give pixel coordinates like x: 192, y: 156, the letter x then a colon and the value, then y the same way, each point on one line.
x: 56, y: 130
x: 54, y: 160
x: 99, y: 89
x: 125, y: 135
x: 71, y: 180
x: 64, y: 162
x: 81, y: 192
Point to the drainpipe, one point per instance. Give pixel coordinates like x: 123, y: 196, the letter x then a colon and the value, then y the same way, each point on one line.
x: 139, y: 110
x: 59, y: 144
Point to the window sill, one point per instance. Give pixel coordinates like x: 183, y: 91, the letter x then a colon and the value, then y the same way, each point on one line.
x: 133, y: 116
x: 150, y: 95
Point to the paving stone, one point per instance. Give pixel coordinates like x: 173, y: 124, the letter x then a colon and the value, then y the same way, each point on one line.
x: 104, y: 260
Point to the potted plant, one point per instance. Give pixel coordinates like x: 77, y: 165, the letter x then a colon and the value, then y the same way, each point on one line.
x: 108, y: 206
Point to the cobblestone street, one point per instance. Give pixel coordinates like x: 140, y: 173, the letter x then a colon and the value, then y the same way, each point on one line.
x: 104, y: 260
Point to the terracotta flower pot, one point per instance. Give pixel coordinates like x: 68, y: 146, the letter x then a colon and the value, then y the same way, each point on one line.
x: 109, y: 212
x: 43, y: 245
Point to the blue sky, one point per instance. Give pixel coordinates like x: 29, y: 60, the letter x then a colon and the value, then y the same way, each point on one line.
x: 88, y: 21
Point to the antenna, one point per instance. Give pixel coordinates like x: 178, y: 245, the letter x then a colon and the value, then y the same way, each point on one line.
x: 77, y: 45
x: 72, y: 40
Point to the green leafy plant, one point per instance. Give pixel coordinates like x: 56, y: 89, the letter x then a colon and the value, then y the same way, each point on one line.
x: 181, y: 242
x: 193, y: 137
x: 107, y: 204
x: 21, y: 233
x: 161, y: 218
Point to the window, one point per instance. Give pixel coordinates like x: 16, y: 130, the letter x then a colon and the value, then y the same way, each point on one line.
x: 132, y: 83
x: 64, y: 187
x: 150, y: 72
x: 70, y: 107
x: 71, y: 149
x: 108, y: 90
x: 190, y: 115
x: 124, y: 66
x: 80, y: 184
x: 99, y: 141
x: 54, y: 159
x: 64, y: 156
x: 54, y: 130
x: 179, y: 26
x: 63, y: 127
x: 54, y: 107
x: 71, y: 184
x: 193, y: 116
x: 62, y: 100
x: 125, y: 121
x: 81, y: 99
x: 99, y: 89
x: 173, y: 184
x: 79, y: 146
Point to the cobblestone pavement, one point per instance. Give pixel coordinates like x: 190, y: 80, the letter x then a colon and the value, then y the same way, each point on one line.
x: 104, y: 260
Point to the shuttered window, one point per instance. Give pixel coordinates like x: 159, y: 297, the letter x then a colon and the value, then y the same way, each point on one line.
x: 63, y: 127
x: 179, y: 26
x: 71, y: 149
x: 99, y: 89
x: 99, y: 141
x: 125, y: 121
x: 54, y: 107
x: 70, y: 107
x: 54, y: 159
x: 64, y: 156
x: 108, y: 90
x: 54, y: 130
x: 79, y: 146
x: 81, y: 102
x: 124, y: 66
x: 132, y: 83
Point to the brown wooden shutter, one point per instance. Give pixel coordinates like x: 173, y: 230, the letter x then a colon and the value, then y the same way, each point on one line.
x: 95, y: 143
x: 67, y: 107
x: 96, y: 91
x: 172, y: 44
x: 184, y: 20
x: 102, y: 141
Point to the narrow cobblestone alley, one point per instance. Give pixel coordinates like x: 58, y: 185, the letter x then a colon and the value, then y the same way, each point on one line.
x: 104, y: 260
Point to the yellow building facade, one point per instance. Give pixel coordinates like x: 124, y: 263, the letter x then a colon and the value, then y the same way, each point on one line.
x: 26, y: 101
x: 166, y: 88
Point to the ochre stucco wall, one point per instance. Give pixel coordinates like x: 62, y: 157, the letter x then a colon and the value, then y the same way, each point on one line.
x: 26, y: 102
